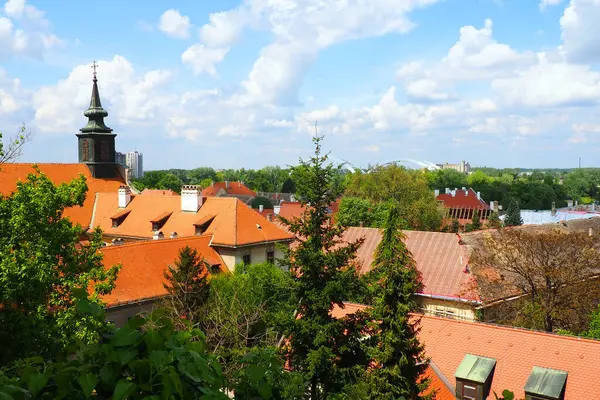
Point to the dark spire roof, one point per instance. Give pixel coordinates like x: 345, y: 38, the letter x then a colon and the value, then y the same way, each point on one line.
x: 95, y: 112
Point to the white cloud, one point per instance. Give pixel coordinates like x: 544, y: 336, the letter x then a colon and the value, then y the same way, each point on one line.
x: 426, y: 90
x: 174, y: 24
x: 546, y: 3
x: 224, y: 28
x: 584, y: 133
x: 128, y: 96
x: 581, y: 31
x: 13, y: 97
x: 203, y: 59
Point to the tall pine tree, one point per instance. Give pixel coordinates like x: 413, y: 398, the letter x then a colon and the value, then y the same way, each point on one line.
x: 395, y: 347
x: 325, y: 350
x: 513, y: 214
x: 187, y: 285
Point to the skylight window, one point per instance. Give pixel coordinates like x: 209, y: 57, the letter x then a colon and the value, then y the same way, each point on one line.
x: 546, y: 384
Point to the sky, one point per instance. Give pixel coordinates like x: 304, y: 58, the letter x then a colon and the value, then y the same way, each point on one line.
x: 232, y: 84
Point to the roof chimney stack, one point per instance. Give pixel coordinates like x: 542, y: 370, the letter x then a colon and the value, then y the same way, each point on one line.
x: 158, y: 235
x: 478, y: 195
x: 173, y: 235
x: 124, y: 196
x: 436, y: 193
x: 227, y: 184
x: 270, y: 217
x: 553, y: 212
x: 191, y: 198
x: 261, y: 208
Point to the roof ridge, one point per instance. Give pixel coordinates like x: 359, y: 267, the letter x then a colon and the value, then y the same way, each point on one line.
x: 152, y: 241
x: 513, y: 328
x: 235, y: 221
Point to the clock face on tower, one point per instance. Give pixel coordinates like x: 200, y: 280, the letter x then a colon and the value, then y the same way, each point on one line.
x: 104, y: 151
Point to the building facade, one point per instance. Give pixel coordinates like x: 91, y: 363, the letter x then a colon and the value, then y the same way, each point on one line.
x: 135, y: 163
x: 463, y: 167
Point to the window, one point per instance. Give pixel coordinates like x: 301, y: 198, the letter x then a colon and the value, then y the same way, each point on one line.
x: 271, y: 256
x: 469, y: 392
x: 246, y: 259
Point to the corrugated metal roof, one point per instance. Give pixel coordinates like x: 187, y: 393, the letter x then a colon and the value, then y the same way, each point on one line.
x: 439, y: 257
x: 546, y: 382
x: 534, y: 217
x: 475, y: 368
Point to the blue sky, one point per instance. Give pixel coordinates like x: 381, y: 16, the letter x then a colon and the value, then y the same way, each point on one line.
x: 233, y: 84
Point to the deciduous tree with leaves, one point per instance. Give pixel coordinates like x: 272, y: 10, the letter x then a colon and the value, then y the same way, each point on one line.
x: 41, y: 265
x: 325, y: 350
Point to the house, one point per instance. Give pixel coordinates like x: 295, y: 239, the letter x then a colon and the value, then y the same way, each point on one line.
x: 97, y: 163
x: 473, y: 360
x: 237, y: 232
x: 461, y: 204
x: 229, y: 189
x: 443, y: 263
x: 139, y: 284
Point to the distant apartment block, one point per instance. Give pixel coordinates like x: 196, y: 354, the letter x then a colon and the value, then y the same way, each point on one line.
x: 121, y: 158
x: 463, y: 167
x: 135, y: 163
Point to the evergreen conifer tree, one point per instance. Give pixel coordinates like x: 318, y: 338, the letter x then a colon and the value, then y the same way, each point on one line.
x: 475, y: 221
x: 395, y: 348
x: 494, y: 221
x: 325, y: 350
x: 186, y: 284
x: 513, y: 214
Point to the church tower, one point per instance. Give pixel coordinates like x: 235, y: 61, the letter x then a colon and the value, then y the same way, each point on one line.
x: 96, y: 140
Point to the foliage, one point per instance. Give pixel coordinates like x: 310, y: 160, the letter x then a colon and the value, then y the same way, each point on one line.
x: 446, y: 178
x: 187, y: 285
x: 550, y: 269
x: 146, y: 359
x: 593, y: 327
x: 494, y: 221
x: 475, y: 224
x: 354, y: 211
x: 394, y: 346
x: 409, y: 190
x: 12, y: 151
x: 41, y: 267
x: 513, y: 214
x: 261, y: 201
x: 581, y: 183
x: 326, y: 351
x: 506, y: 395
x: 454, y: 226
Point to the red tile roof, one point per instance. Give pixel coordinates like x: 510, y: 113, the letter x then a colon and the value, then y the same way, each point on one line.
x: 144, y: 263
x: 234, y: 189
x: 234, y: 224
x: 294, y: 209
x: 463, y: 199
x: 158, y: 192
x: 516, y: 351
x: 439, y: 257
x: 62, y: 173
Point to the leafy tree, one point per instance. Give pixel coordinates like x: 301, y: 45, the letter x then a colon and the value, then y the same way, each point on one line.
x: 547, y: 276
x: 475, y: 224
x: 187, y: 285
x: 261, y: 201
x: 325, y: 350
x: 395, y: 348
x: 446, y: 178
x: 354, y: 211
x: 409, y: 190
x: 289, y: 186
x: 170, y: 181
x: 513, y: 214
x: 41, y: 267
x: 454, y: 226
x: 12, y: 151
x: 593, y: 329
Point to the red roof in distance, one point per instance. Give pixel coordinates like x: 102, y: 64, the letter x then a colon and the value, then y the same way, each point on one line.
x: 462, y: 198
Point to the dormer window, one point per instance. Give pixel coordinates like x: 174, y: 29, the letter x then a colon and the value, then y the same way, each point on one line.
x: 474, y: 377
x: 202, y: 224
x: 546, y: 384
x: 159, y: 221
x: 119, y: 217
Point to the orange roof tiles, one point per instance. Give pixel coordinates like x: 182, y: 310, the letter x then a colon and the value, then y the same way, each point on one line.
x: 516, y: 351
x: 61, y: 173
x: 437, y: 385
x: 439, y: 257
x: 463, y: 199
x: 295, y: 209
x: 234, y: 189
x: 158, y: 192
x: 144, y: 263
x: 234, y: 224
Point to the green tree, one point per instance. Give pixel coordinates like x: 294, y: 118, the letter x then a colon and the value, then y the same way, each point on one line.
x: 447, y: 178
x: 354, y: 211
x: 12, y: 151
x: 42, y: 265
x: 186, y: 282
x: 261, y: 201
x: 395, y: 348
x: 325, y: 350
x: 513, y: 214
x: 170, y: 181
x: 593, y: 330
x: 494, y: 221
x: 475, y: 221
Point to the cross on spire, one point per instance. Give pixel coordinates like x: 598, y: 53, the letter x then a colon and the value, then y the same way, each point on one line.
x: 94, y: 66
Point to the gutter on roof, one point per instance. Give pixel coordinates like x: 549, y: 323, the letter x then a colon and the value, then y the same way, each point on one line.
x: 250, y: 244
x: 449, y: 298
x: 441, y: 376
x: 120, y: 304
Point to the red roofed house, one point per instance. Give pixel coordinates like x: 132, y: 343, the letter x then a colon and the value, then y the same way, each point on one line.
x: 140, y: 281
x: 473, y: 360
x: 229, y: 189
x: 462, y: 203
x: 441, y: 260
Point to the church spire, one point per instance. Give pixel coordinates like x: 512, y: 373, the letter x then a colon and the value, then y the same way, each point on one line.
x: 95, y: 113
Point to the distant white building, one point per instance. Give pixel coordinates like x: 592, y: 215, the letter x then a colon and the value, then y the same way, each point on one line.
x: 135, y: 163
x: 463, y: 167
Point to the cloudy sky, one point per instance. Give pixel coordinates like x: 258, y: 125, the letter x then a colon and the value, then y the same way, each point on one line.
x: 234, y: 84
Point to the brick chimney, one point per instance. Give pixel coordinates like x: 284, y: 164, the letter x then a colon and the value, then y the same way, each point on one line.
x: 124, y: 196
x: 191, y: 198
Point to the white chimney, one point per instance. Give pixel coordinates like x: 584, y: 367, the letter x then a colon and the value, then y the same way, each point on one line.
x: 158, y: 235
x: 261, y: 208
x: 173, y: 235
x: 447, y: 190
x: 276, y: 209
x: 478, y: 195
x: 191, y: 198
x: 436, y: 193
x: 124, y: 196
x: 227, y: 184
